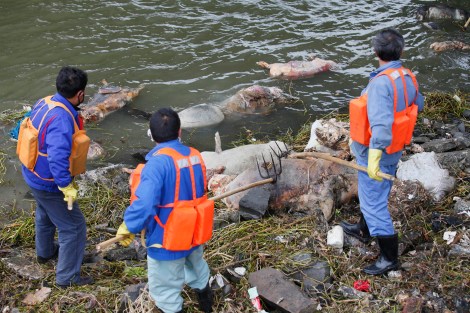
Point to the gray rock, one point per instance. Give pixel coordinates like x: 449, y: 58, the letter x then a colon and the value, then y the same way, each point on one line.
x: 24, y: 267
x: 254, y: 204
x: 454, y: 161
x: 315, y: 274
x: 305, y: 258
x: 461, y: 127
x: 440, y: 145
x: 131, y: 293
x: 459, y: 251
x: 466, y: 114
x: 462, y: 143
x: 420, y: 139
x: 462, y: 305
x: 461, y: 205
x: 281, y: 293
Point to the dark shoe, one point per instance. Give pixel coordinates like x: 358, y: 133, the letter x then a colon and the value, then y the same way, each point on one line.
x: 205, y: 297
x: 83, y: 280
x: 388, y: 259
x: 54, y: 256
x: 359, y: 230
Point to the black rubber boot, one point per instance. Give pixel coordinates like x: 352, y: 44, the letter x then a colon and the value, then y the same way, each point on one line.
x: 205, y: 298
x: 83, y: 280
x: 388, y: 259
x: 359, y: 230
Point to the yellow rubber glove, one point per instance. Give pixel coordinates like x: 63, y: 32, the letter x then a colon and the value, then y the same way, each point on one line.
x: 69, y: 191
x: 373, y: 163
x: 129, y: 237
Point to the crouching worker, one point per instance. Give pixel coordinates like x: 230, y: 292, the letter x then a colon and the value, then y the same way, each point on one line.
x: 172, y: 186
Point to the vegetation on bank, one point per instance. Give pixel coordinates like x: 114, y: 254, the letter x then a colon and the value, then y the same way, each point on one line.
x: 253, y: 244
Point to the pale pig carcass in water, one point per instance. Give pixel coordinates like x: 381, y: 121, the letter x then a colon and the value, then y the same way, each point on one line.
x: 252, y: 100
x: 107, y: 100
x: 449, y: 45
x: 298, y: 69
x: 441, y: 11
x: 95, y: 151
x: 257, y: 100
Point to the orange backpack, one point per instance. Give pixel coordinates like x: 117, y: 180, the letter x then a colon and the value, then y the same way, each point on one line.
x: 27, y: 147
x: 403, y: 123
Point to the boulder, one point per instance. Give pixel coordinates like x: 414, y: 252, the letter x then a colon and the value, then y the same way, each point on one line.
x: 281, y: 293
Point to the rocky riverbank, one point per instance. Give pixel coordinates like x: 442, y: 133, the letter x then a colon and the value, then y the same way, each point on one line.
x: 282, y: 249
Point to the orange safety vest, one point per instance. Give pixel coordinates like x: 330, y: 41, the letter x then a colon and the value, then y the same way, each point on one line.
x: 403, y: 122
x: 27, y: 147
x: 191, y: 221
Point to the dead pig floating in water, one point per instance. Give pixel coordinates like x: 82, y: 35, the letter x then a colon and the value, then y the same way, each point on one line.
x: 449, y: 45
x: 107, y: 100
x: 257, y: 100
x: 298, y: 69
x: 252, y: 100
x: 441, y: 11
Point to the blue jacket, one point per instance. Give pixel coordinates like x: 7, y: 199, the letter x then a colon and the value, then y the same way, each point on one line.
x: 156, y: 188
x: 55, y: 140
x: 380, y: 112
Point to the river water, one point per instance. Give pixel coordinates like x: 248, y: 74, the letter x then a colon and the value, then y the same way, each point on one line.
x: 193, y: 52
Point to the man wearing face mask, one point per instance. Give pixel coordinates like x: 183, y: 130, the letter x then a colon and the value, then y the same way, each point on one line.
x: 50, y: 177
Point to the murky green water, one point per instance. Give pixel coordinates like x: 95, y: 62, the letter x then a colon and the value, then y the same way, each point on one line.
x: 193, y: 52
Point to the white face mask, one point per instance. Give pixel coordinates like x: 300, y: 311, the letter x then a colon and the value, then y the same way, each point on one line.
x: 149, y: 133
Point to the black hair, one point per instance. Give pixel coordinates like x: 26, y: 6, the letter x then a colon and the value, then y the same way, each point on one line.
x: 70, y: 80
x: 388, y: 44
x: 164, y: 125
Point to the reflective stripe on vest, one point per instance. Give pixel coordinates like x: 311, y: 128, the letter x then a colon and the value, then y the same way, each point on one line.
x: 181, y: 161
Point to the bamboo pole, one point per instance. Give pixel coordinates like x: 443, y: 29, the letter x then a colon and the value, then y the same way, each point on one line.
x: 101, y: 246
x: 70, y: 203
x: 107, y: 243
x: 242, y: 188
x: 325, y: 156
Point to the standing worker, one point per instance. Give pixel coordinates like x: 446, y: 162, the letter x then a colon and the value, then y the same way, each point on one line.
x: 52, y: 148
x: 172, y: 182
x: 382, y: 120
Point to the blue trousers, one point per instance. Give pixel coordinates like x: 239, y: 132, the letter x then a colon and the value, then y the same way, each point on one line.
x: 51, y: 215
x: 167, y: 278
x: 373, y: 200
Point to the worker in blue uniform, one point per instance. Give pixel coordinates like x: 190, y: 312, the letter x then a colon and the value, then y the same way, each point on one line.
x: 51, y: 181
x: 391, y: 90
x: 155, y: 200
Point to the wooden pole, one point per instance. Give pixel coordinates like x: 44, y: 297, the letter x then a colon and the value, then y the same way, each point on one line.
x: 242, y: 188
x: 324, y: 156
x: 70, y: 203
x: 107, y: 243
